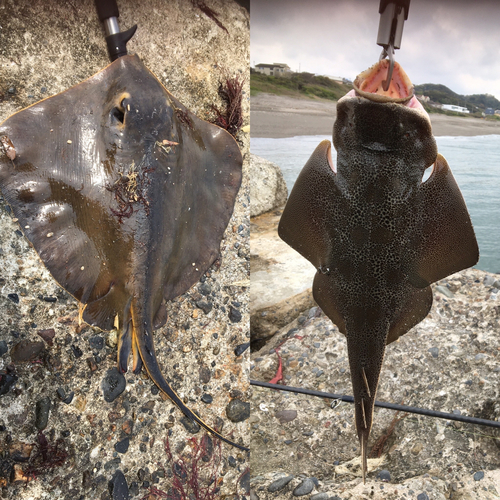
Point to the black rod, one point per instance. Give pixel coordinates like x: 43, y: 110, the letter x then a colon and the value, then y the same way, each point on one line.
x: 380, y: 404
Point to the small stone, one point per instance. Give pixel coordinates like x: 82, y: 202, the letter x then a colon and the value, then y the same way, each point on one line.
x: 279, y: 484
x: 241, y: 348
x: 245, y: 482
x: 207, y: 398
x: 25, y: 351
x: 113, y: 384
x: 205, y: 289
x: 128, y: 426
x: 42, y: 413
x: 14, y: 297
x: 422, y: 496
x: 205, y: 375
x: 96, y: 342
x: 434, y: 351
x: 384, y: 475
x: 47, y: 335
x: 119, y: 487
x: 80, y: 403
x: 417, y: 448
x: 320, y: 496
x: 304, y: 488
x: 286, y: 415
x: 122, y: 446
x: 237, y: 410
x: 234, y: 315
x: 19, y: 451
x: 3, y: 347
x: 205, y: 306
x: 50, y: 299
x: 77, y: 352
x: 7, y: 380
x: 190, y: 425
x: 478, y: 475
x: 445, y: 291
x: 489, y: 280
x: 231, y: 461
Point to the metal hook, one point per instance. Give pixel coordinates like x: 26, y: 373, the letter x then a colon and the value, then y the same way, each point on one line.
x: 388, y: 51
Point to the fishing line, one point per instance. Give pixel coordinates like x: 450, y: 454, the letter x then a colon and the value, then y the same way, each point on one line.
x: 380, y: 404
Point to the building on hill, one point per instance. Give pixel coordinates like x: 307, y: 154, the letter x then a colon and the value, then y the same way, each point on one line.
x: 275, y: 69
x: 453, y: 107
x: 489, y: 111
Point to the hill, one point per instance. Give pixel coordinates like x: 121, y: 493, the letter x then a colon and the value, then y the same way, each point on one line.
x: 298, y: 85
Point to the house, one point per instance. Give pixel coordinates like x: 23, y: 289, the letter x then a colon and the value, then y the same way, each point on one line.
x: 489, y: 111
x: 453, y: 107
x: 275, y: 69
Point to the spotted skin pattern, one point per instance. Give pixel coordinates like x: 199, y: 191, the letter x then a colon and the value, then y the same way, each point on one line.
x: 377, y: 234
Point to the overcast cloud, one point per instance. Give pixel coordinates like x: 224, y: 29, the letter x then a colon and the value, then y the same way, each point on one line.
x: 455, y: 43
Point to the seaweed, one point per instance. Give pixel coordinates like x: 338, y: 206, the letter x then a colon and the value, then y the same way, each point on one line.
x: 230, y: 91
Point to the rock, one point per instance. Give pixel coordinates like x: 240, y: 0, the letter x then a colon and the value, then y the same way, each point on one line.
x: 265, y: 322
x: 237, y: 410
x: 445, y: 291
x: 320, y: 496
x: 286, y: 415
x: 304, y: 488
x: 119, y: 487
x: 113, y: 384
x: 42, y: 413
x: 207, y: 398
x: 190, y: 425
x: 279, y: 484
x: 19, y: 451
x: 267, y: 186
x: 422, y: 496
x: 3, y: 347
x: 234, y: 315
x: 239, y: 350
x: 25, y: 351
x: 122, y: 446
x: 384, y: 475
x: 478, y: 475
x: 47, y: 335
x: 434, y: 351
x: 245, y: 482
x: 205, y: 306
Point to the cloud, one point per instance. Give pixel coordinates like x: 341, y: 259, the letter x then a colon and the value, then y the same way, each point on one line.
x: 449, y: 42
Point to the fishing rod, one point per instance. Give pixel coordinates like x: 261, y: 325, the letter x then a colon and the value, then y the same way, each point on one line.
x: 380, y: 404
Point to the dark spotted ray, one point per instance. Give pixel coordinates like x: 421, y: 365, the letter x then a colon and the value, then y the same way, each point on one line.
x: 377, y: 234
x: 125, y: 195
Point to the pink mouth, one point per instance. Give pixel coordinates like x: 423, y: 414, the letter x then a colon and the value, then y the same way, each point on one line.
x: 369, y: 84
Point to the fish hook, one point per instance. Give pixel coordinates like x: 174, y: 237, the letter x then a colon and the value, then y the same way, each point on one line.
x: 389, y: 52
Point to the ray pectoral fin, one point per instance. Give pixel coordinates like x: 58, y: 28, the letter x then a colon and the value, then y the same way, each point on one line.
x: 447, y: 242
x: 144, y: 342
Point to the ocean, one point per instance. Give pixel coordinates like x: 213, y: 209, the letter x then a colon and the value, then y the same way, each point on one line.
x: 475, y: 162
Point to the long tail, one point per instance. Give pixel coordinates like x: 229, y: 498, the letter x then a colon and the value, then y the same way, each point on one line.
x: 142, y: 340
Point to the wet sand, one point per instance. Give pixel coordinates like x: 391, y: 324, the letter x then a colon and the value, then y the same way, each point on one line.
x: 281, y: 116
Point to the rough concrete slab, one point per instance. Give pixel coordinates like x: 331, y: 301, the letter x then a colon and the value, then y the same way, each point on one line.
x: 45, y: 48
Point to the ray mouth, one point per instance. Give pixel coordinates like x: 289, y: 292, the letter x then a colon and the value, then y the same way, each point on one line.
x: 369, y: 84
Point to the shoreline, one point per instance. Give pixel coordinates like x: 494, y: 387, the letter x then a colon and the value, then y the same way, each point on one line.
x: 273, y: 116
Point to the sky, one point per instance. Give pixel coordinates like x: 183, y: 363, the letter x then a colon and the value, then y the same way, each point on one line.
x: 452, y: 42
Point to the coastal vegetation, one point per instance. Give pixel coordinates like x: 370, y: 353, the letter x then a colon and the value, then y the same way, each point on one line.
x: 308, y: 85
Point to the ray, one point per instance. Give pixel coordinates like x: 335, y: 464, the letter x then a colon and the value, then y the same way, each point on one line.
x: 381, y: 233
x: 125, y: 201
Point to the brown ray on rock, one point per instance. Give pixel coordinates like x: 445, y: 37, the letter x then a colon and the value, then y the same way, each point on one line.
x: 125, y: 196
x: 378, y: 234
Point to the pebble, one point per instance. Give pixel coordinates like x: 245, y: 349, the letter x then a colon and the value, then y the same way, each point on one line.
x: 253, y: 495
x: 113, y: 384
x: 384, y: 475
x: 286, y: 415
x: 205, y: 306
x: 14, y: 297
x: 7, y: 380
x: 119, y: 486
x: 190, y: 425
x: 422, y: 496
x: 122, y: 446
x: 304, y: 488
x: 42, y: 411
x: 50, y: 299
x: 237, y: 410
x: 207, y: 398
x: 240, y: 349
x: 231, y: 461
x: 320, y: 496
x: 279, y: 484
x: 234, y: 315
x: 96, y: 342
x: 489, y: 280
x: 478, y: 475
x: 47, y: 335
x: 3, y: 347
x: 205, y: 289
x: 25, y: 351
x: 434, y: 351
x: 445, y: 291
x: 245, y: 482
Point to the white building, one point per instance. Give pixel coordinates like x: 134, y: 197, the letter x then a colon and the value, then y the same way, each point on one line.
x: 452, y: 107
x: 275, y: 69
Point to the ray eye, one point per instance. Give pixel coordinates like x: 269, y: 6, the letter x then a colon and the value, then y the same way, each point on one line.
x: 118, y: 114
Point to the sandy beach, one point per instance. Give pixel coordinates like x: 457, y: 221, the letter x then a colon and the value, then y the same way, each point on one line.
x: 282, y: 116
